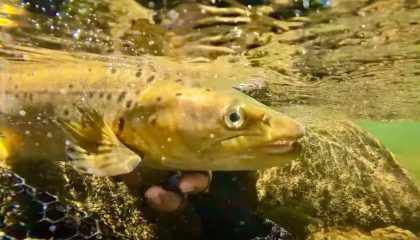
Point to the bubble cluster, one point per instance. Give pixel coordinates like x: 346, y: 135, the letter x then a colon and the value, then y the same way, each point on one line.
x: 26, y: 212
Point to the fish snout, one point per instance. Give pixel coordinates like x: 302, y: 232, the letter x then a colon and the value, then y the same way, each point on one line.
x: 287, y: 129
x: 300, y: 131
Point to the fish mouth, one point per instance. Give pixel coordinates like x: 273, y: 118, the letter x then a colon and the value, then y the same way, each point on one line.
x: 273, y: 147
x: 281, y: 146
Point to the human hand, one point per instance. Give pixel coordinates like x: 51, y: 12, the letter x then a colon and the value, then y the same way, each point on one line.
x: 163, y: 200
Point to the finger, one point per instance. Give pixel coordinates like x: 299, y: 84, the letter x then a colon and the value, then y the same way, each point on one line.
x: 194, y: 182
x: 161, y: 200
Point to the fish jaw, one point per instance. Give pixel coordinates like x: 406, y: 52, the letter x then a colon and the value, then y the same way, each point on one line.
x: 245, y: 161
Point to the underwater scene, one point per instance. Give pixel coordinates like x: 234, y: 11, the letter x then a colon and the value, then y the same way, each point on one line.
x: 210, y: 119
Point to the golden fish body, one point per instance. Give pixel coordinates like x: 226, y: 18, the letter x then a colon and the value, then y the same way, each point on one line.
x: 117, y: 112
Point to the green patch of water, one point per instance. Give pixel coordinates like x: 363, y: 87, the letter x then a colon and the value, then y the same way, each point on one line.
x: 402, y: 138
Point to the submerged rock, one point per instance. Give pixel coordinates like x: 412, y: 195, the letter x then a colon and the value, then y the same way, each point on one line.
x: 344, y: 177
x: 388, y: 233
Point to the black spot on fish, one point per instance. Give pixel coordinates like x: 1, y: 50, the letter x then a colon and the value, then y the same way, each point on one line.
x: 90, y: 94
x: 166, y: 75
x: 152, y: 120
x: 152, y: 68
x: 178, y: 80
x: 109, y: 96
x: 128, y: 104
x: 101, y: 95
x: 151, y: 78
x: 121, y: 124
x: 31, y: 97
x: 89, y: 69
x: 137, y: 92
x: 208, y: 90
x: 113, y: 70
x: 178, y: 94
x: 71, y: 86
x: 158, y: 99
x: 66, y: 112
x: 70, y: 149
x: 122, y: 96
x: 17, y: 96
x: 138, y: 73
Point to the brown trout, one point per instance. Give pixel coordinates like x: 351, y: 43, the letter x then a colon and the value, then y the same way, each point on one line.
x: 120, y: 112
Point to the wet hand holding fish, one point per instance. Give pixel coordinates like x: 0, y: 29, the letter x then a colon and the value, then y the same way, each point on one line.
x: 119, y: 112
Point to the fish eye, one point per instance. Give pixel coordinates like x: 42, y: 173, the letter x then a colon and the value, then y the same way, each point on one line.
x: 234, y: 117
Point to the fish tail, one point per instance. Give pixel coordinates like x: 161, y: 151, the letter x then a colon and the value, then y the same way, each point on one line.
x: 7, y: 10
x: 11, y: 9
x: 4, y: 153
x: 8, y: 139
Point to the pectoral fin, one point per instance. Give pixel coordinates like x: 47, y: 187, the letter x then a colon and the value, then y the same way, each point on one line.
x: 93, y: 147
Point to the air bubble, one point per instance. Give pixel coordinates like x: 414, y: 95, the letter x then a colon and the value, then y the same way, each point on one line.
x: 76, y: 33
x: 151, y: 5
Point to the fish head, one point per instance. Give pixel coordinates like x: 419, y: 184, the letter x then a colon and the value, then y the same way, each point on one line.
x: 196, y: 128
